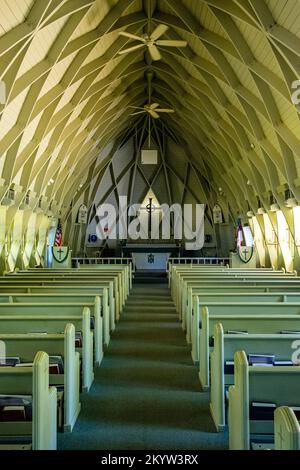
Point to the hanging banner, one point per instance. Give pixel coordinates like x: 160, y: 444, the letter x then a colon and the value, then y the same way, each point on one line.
x: 60, y: 253
x: 245, y: 253
x: 82, y: 214
x: 217, y: 214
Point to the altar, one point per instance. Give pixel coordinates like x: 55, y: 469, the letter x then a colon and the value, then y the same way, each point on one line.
x: 150, y: 257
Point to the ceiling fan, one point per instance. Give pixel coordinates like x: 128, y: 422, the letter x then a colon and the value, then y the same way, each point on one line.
x: 152, y: 109
x: 152, y: 41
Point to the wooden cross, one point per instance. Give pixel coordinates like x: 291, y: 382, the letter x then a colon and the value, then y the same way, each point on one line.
x: 150, y: 208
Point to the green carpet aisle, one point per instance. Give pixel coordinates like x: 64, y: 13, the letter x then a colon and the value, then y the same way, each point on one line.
x: 146, y: 394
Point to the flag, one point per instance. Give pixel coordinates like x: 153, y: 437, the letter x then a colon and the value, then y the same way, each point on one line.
x: 58, y: 235
x: 240, y: 237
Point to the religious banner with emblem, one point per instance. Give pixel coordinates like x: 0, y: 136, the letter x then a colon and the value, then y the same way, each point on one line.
x: 245, y: 253
x: 60, y: 253
x: 82, y: 214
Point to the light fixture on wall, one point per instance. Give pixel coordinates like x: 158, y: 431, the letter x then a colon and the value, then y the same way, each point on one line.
x: 291, y: 202
x: 261, y: 211
x: 274, y: 207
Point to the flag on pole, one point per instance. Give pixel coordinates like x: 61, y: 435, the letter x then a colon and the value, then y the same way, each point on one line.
x: 240, y: 236
x: 58, y: 235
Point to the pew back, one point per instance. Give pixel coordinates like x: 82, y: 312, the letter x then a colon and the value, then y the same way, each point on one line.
x: 33, y: 381
x: 48, y: 309
x: 278, y: 385
x: 26, y: 346
x: 259, y: 323
x: 20, y: 323
x: 225, y: 346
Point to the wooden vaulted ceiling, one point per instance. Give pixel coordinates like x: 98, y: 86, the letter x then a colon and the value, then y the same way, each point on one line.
x: 68, y: 94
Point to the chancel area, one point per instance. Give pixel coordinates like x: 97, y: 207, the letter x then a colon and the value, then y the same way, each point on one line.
x: 149, y: 225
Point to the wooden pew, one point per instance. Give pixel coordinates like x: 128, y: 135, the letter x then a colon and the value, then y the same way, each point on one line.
x: 232, y: 319
x: 100, y: 305
x: 61, y: 309
x: 225, y: 345
x: 180, y: 277
x: 19, y: 322
x: 99, y: 280
x: 58, y: 293
x: 232, y: 286
x: 203, y: 282
x: 33, y: 381
x: 286, y: 429
x: 278, y: 385
x: 229, y: 298
x: 26, y: 346
x: 175, y: 268
x: 18, y: 286
x: 126, y: 271
x: 235, y: 289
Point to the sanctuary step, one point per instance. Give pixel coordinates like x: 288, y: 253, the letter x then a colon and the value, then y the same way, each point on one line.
x: 150, y: 277
x: 146, y: 394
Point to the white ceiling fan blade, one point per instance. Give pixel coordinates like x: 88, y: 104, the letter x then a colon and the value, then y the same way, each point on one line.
x: 159, y: 31
x: 171, y: 43
x: 130, y: 49
x: 165, y: 111
x: 154, y: 105
x: 153, y: 114
x: 131, y: 36
x: 154, y: 52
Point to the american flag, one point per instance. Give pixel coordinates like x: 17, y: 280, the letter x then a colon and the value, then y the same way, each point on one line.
x: 58, y: 235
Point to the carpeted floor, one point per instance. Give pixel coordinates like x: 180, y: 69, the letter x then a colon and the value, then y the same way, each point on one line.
x: 146, y: 394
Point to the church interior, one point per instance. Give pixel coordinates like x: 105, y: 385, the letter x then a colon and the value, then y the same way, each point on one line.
x: 149, y: 225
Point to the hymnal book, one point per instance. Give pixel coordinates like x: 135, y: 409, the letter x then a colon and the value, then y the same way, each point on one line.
x: 9, y: 361
x: 283, y: 363
x: 229, y: 367
x: 13, y: 413
x: 56, y: 365
x: 78, y: 339
x: 262, y: 364
x: 12, y: 404
x: 53, y: 369
x: 260, y: 359
x: 262, y: 411
x: 236, y: 332
x: 25, y: 364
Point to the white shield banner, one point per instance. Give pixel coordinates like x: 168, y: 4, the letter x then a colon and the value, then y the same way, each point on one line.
x: 60, y: 253
x: 245, y: 253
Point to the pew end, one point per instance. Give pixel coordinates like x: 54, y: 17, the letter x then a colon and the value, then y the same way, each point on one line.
x: 286, y: 429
